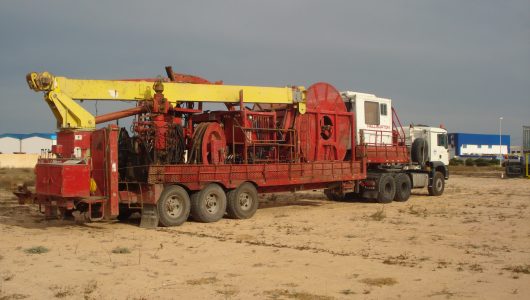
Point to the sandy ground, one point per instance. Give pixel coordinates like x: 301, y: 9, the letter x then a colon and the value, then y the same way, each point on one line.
x: 473, y: 242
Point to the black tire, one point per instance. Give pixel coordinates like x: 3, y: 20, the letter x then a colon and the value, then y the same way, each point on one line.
x: 403, y: 187
x: 438, y: 184
x: 386, y: 189
x: 242, y: 202
x: 173, y: 207
x: 420, y: 151
x: 209, y: 204
x: 333, y: 196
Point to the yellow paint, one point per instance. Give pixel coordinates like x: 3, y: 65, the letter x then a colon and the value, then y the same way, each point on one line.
x: 93, y: 186
x: 61, y: 93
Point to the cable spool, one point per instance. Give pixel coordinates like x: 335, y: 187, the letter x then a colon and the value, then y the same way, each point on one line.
x: 324, y: 129
x: 209, y: 144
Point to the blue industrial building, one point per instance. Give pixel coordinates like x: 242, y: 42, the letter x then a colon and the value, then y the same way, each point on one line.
x: 474, y: 144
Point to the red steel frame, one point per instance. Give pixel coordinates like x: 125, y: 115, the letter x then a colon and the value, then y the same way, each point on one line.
x: 378, y: 152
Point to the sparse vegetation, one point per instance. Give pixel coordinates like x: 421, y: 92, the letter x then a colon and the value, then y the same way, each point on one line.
x: 378, y: 215
x: 347, y: 292
x: 228, y: 291
x: 445, y: 292
x: 62, y: 291
x: 201, y: 281
x: 476, y: 268
x: 379, y: 281
x: 279, y: 294
x: 36, y: 250
x: 121, y: 250
x: 90, y: 287
x: 523, y: 269
x: 12, y: 296
x: 9, y: 177
x: 456, y: 162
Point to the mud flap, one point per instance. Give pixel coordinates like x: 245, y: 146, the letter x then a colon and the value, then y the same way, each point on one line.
x: 149, y: 217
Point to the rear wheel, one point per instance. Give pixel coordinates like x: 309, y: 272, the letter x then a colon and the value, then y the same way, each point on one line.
x: 209, y: 204
x: 173, y: 206
x: 242, y: 202
x: 333, y: 195
x: 387, y: 189
x: 438, y: 184
x: 403, y: 186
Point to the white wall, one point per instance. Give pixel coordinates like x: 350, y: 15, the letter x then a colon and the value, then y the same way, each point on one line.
x: 483, y: 150
x: 34, y: 144
x: 9, y: 145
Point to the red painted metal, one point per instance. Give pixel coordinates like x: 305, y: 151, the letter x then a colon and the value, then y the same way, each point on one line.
x: 213, y: 144
x: 273, y: 146
x: 380, y: 153
x: 62, y: 178
x: 324, y: 129
x: 120, y: 114
x: 288, y: 175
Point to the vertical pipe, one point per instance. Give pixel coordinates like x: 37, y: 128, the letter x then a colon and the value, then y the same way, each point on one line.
x: 500, y: 141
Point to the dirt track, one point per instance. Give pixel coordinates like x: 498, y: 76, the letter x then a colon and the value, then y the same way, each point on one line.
x: 473, y: 242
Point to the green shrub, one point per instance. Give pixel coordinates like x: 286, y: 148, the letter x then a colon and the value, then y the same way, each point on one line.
x: 494, y: 162
x: 456, y: 162
x: 470, y: 162
x: 481, y: 162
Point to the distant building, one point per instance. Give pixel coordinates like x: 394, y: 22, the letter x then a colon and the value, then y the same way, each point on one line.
x: 516, y: 150
x: 31, y: 143
x: 474, y: 144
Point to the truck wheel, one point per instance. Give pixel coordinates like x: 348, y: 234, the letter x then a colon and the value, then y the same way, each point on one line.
x: 242, y: 202
x: 333, y: 196
x: 173, y: 206
x: 419, y: 151
x: 438, y: 184
x: 209, y: 204
x: 387, y: 189
x: 403, y: 186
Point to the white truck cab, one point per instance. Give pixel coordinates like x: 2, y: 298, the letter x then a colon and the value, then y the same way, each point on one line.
x: 436, y: 139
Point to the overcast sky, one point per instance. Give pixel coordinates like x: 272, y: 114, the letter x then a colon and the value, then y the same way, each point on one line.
x: 460, y: 63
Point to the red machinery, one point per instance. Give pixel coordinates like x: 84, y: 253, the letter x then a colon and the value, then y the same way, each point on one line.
x: 181, y: 159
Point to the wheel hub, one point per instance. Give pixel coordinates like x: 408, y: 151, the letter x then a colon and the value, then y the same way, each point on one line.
x: 245, y: 202
x: 174, y: 206
x: 211, y: 203
x: 438, y: 184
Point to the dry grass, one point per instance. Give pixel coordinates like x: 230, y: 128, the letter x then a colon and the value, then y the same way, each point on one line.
x: 228, y: 291
x: 91, y: 286
x: 62, y: 291
x: 378, y: 215
x: 279, y: 294
x: 121, y: 250
x: 381, y: 281
x: 523, y: 269
x: 37, y: 250
x: 9, y: 177
x: 12, y: 297
x: 201, y: 281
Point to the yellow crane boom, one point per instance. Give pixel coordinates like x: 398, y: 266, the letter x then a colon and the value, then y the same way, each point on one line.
x: 60, y: 93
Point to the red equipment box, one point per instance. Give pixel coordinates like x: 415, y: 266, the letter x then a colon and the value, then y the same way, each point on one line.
x: 63, y: 178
